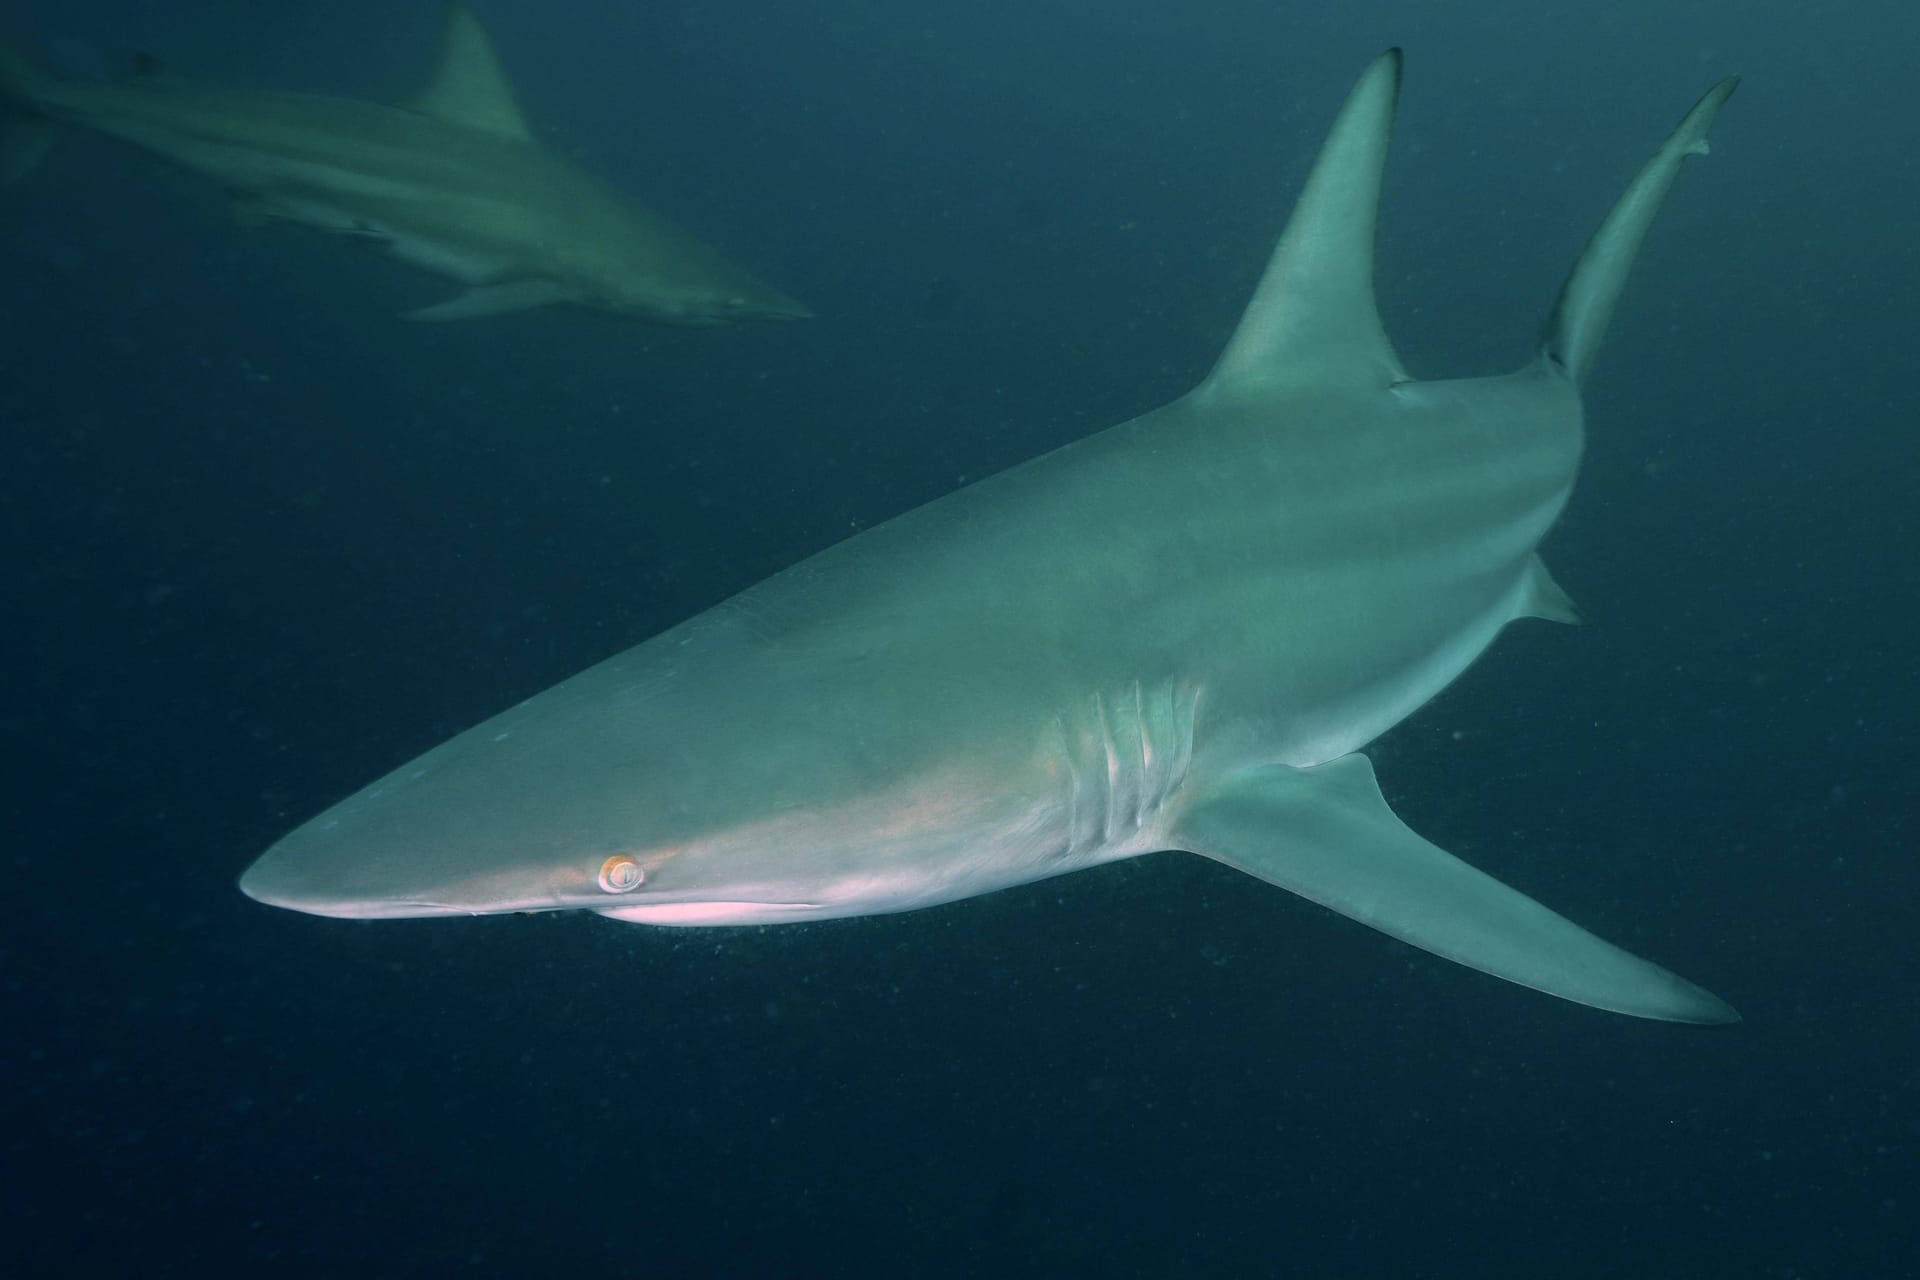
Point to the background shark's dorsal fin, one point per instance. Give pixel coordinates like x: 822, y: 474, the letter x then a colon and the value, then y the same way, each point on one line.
x: 467, y: 86
x: 1313, y: 316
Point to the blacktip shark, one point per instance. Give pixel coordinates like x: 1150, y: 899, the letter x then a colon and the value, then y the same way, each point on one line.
x: 452, y: 181
x: 1176, y: 634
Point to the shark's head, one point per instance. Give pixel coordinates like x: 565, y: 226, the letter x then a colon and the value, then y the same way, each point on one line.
x: 498, y: 820
x: 633, y: 798
x: 419, y: 859
x: 336, y: 867
x: 452, y: 851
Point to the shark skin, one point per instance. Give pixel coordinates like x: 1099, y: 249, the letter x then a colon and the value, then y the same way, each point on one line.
x: 453, y: 182
x: 1175, y: 634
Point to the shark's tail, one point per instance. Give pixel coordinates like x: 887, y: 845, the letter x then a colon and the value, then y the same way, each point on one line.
x: 1580, y: 317
x: 25, y: 133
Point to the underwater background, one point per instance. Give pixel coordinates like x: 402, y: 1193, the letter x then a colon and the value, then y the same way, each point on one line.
x: 264, y: 541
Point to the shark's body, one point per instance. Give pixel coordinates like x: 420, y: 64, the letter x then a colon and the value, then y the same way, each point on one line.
x: 453, y: 182
x: 1174, y: 634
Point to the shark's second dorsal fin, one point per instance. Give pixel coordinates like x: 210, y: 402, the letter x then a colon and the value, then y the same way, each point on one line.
x: 467, y: 86
x: 1587, y: 299
x: 1313, y: 317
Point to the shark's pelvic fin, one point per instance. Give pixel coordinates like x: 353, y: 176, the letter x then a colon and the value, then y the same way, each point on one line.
x: 1327, y: 834
x: 1545, y: 598
x: 494, y: 300
x: 468, y: 87
x: 1313, y: 316
x: 1587, y: 299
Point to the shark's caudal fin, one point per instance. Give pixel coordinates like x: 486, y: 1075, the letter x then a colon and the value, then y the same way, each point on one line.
x: 1327, y: 834
x: 467, y: 86
x: 1580, y: 317
x: 1313, y: 316
x: 25, y: 134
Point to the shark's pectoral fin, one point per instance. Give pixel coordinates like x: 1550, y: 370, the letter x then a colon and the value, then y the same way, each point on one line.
x: 1327, y: 834
x: 25, y: 134
x: 154, y: 72
x: 24, y: 140
x: 250, y: 214
x: 494, y: 300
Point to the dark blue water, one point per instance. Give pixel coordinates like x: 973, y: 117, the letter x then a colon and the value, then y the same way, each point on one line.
x: 263, y: 541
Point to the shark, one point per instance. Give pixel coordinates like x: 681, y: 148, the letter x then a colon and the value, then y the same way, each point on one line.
x: 453, y: 181
x: 1175, y: 635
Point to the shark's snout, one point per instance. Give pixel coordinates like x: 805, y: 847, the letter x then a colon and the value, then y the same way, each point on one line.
x: 292, y: 878
x: 279, y: 881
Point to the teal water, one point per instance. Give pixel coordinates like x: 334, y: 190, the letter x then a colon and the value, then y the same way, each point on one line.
x: 263, y: 540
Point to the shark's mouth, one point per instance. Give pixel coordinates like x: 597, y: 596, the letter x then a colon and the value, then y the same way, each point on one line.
x: 713, y: 913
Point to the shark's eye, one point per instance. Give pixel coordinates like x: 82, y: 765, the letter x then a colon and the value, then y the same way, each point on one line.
x: 621, y: 874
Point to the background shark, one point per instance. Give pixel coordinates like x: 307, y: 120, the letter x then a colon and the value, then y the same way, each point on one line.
x: 453, y: 181
x: 1173, y: 635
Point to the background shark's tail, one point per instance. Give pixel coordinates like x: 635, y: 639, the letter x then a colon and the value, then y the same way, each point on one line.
x: 25, y: 134
x: 1580, y: 317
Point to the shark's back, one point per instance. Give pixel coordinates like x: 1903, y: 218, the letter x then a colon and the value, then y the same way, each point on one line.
x: 1293, y: 552
x: 263, y: 141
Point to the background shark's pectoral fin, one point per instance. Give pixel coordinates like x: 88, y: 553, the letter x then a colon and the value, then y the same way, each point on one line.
x: 150, y: 70
x: 494, y: 300
x: 468, y: 87
x: 250, y: 214
x: 25, y: 134
x: 24, y: 140
x: 1327, y: 834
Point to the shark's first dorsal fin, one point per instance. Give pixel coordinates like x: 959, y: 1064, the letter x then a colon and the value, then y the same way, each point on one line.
x: 1313, y: 316
x: 468, y: 86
